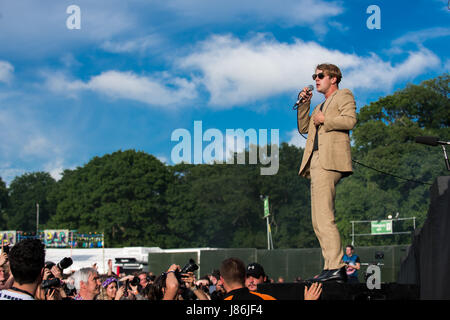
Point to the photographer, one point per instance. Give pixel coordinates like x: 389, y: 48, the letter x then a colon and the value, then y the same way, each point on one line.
x: 53, y: 286
x: 170, y: 290
x: 131, y: 288
x: 176, y: 284
x: 192, y: 287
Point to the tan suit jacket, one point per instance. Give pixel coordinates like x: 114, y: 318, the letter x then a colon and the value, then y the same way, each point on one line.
x: 334, y: 140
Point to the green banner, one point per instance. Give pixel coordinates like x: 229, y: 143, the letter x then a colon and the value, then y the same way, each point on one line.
x: 381, y: 227
x: 266, y: 207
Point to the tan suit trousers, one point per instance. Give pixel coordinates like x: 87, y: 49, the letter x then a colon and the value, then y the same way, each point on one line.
x: 323, y: 193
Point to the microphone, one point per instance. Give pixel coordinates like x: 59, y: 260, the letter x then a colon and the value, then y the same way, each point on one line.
x: 301, y: 99
x: 431, y: 141
x: 434, y: 141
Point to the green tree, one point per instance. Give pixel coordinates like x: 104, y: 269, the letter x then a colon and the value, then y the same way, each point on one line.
x: 4, y: 203
x: 120, y: 194
x: 210, y: 205
x: 220, y: 205
x: 384, y: 140
x: 25, y: 192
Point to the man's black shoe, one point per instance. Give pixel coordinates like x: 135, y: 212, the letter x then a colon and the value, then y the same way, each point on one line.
x: 320, y: 276
x: 338, y: 275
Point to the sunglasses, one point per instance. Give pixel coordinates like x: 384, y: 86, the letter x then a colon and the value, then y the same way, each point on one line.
x: 320, y: 75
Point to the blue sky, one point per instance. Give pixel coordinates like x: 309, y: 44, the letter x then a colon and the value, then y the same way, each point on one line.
x: 137, y: 70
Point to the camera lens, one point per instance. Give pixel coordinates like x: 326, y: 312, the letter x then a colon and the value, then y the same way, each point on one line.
x: 135, y: 281
x: 65, y: 263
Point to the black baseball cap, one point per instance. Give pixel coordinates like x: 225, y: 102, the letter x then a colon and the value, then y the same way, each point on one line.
x: 255, y: 270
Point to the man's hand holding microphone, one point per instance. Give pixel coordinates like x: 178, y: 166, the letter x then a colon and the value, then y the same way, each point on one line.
x: 304, y: 96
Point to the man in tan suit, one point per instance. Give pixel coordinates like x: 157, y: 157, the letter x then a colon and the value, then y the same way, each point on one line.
x: 327, y: 159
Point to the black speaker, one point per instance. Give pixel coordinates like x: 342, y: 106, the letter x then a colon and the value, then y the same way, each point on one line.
x: 428, y: 261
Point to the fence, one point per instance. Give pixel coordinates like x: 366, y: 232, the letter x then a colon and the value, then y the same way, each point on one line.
x: 286, y: 263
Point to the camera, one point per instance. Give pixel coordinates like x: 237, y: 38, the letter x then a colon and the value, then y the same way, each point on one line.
x: 135, y: 281
x: 51, y: 283
x: 189, y: 267
x: 6, y: 249
x: 63, y: 264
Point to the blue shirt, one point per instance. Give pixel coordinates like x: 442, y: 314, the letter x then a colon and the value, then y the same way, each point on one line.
x: 353, y: 259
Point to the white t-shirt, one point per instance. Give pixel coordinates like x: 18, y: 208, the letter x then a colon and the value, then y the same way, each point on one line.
x: 13, y: 295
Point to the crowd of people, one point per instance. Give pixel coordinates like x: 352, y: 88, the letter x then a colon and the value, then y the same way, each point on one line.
x: 26, y: 275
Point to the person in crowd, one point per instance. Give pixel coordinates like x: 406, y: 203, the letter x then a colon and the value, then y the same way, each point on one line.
x: 26, y: 261
x: 232, y: 275
x: 110, y: 291
x: 132, y: 288
x: 204, y: 283
x: 110, y: 272
x: 219, y: 292
x: 352, y: 264
x: 165, y: 286
x: 6, y: 277
x: 144, y: 279
x: 190, y: 290
x: 214, y: 277
x: 255, y: 275
x: 86, y: 282
x: 52, y: 286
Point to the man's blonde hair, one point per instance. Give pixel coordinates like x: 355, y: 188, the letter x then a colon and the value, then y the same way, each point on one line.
x: 331, y: 70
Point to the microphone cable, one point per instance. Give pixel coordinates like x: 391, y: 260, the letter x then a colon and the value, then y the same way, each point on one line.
x: 385, y: 173
x: 390, y: 174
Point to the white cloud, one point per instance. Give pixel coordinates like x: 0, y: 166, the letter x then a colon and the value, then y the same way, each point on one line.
x: 419, y: 37
x: 27, y: 145
x: 37, y: 145
x: 296, y: 139
x: 27, y: 25
x: 237, y: 72
x: 447, y: 65
x: 373, y: 73
x: 55, y: 168
x: 7, y: 173
x: 165, y: 90
x: 163, y: 159
x: 286, y: 13
x: 141, y: 44
x: 6, y: 71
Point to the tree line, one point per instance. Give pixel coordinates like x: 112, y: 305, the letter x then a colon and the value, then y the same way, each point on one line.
x: 136, y: 200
